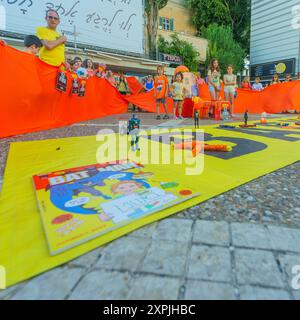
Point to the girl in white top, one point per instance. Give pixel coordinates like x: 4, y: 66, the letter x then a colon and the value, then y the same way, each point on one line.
x: 230, y: 87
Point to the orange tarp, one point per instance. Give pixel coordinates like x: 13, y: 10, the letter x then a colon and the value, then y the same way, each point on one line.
x: 273, y: 99
x: 147, y: 102
x: 134, y: 85
x: 30, y: 102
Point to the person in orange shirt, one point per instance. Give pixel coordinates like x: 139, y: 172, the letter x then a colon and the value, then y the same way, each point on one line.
x: 161, y: 88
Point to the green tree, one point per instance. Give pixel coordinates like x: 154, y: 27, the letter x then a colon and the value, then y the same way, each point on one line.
x: 152, y: 8
x: 233, y: 13
x: 223, y: 47
x: 180, y: 48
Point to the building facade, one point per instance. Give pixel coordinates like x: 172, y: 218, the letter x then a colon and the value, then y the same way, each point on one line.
x: 176, y: 17
x: 275, y: 38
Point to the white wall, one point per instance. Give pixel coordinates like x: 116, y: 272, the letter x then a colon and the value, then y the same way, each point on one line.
x: 111, y: 24
x: 275, y: 31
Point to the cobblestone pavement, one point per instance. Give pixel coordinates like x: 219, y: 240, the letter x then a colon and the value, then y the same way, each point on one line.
x: 240, y: 245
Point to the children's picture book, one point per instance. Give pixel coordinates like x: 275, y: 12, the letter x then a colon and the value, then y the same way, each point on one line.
x: 80, y: 204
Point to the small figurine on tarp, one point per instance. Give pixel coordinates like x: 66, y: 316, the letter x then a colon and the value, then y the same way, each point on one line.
x: 134, y: 131
x: 225, y: 114
x: 61, y: 80
x: 246, y: 117
x: 196, y: 118
x: 246, y: 125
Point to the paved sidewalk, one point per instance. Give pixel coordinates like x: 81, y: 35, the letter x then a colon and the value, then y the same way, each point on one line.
x: 179, y: 259
x: 240, y: 245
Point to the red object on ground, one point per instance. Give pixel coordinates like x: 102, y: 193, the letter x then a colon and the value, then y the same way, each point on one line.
x: 185, y: 192
x: 217, y: 112
x: 195, y: 146
x: 220, y: 148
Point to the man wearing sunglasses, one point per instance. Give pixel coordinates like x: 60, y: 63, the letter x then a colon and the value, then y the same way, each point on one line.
x: 53, y: 50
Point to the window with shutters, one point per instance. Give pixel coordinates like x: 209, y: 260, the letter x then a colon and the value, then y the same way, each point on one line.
x: 166, y: 24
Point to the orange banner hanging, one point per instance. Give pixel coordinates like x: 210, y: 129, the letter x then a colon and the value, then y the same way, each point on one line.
x: 30, y: 102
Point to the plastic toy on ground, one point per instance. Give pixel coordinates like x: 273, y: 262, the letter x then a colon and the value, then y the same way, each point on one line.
x: 134, y: 131
x: 198, y: 146
x: 247, y: 125
x: 263, y: 119
x: 225, y: 114
x: 226, y: 126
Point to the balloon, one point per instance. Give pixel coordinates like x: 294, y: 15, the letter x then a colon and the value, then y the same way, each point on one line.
x: 181, y: 69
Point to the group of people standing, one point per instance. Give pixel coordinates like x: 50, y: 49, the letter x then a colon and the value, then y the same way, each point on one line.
x: 51, y: 48
x: 178, y: 91
x: 258, y: 86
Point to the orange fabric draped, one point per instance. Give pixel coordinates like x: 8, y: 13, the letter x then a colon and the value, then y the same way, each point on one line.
x: 134, y: 85
x: 273, y: 99
x: 30, y: 102
x: 147, y: 102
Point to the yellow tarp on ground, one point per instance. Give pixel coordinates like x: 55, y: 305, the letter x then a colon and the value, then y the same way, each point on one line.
x: 23, y: 248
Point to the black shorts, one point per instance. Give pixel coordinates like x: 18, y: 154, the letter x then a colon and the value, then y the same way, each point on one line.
x: 162, y: 100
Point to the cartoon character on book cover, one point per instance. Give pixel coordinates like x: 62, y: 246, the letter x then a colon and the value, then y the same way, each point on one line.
x: 78, y: 203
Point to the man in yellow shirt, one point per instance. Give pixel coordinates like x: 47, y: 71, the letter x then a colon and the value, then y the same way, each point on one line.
x: 53, y: 50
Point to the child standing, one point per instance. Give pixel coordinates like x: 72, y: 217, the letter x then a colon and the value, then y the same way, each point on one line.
x: 178, y: 93
x: 161, y: 87
x: 214, y: 82
x: 230, y: 87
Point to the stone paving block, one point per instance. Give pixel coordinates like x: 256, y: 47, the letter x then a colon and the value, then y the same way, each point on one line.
x: 200, y: 290
x: 288, y: 262
x: 174, y: 230
x: 125, y: 253
x: 87, y: 260
x: 154, y: 288
x: 285, y: 239
x: 52, y: 285
x: 210, y: 263
x: 258, y: 268
x: 102, y: 285
x: 9, y: 292
x: 256, y: 293
x: 250, y: 235
x: 211, y: 232
x: 144, y: 232
x: 166, y: 258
